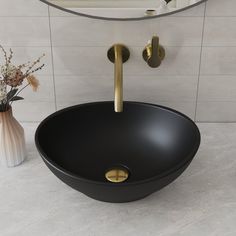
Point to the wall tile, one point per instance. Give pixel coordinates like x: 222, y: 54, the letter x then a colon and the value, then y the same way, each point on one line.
x: 217, y: 88
x: 84, y: 88
x: 81, y: 61
x: 219, y: 111
x: 221, y: 8
x: 93, y: 61
x: 23, y: 8
x: 45, y: 92
x: 181, y: 32
x: 194, y: 11
x: 81, y: 31
x: 220, y: 31
x: 218, y: 61
x: 176, y: 92
x: 24, y: 31
x: 176, y: 31
x: 32, y: 111
x: 159, y: 88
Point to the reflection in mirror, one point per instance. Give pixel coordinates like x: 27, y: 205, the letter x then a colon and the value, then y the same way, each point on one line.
x: 122, y: 9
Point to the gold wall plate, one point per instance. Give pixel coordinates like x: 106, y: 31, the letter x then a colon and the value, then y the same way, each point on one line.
x: 125, y: 53
x: 147, y: 52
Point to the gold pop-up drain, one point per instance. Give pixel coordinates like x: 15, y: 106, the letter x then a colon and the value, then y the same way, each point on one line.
x: 117, y: 175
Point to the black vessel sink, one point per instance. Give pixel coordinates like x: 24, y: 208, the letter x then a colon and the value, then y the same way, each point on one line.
x: 117, y: 157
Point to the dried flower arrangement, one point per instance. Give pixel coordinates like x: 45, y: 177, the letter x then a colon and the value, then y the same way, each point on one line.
x: 13, y: 77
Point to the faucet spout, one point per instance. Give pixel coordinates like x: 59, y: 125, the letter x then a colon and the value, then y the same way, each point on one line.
x: 118, y: 54
x: 118, y: 85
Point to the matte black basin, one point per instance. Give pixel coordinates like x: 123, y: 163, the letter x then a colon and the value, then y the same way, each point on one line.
x: 152, y: 144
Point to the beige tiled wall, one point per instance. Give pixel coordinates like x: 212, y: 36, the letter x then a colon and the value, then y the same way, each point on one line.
x: 197, y: 77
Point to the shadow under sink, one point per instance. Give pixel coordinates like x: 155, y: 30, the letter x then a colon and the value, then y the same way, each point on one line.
x: 144, y: 148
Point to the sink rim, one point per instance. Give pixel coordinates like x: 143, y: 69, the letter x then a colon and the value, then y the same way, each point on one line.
x: 180, y: 165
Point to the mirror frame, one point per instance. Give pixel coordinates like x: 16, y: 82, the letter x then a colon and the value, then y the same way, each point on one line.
x: 122, y: 19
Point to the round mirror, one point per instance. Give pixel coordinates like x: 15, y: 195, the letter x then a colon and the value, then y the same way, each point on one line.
x: 123, y: 9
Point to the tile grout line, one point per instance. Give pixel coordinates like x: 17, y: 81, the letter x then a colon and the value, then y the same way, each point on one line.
x: 51, y: 47
x: 200, y: 62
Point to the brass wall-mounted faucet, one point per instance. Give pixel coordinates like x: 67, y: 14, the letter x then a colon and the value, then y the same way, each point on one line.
x: 118, y: 54
x: 154, y: 53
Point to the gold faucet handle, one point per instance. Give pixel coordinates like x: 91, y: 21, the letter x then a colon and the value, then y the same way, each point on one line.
x: 154, y: 53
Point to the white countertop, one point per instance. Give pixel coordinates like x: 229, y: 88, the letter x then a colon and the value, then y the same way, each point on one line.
x: 202, y: 201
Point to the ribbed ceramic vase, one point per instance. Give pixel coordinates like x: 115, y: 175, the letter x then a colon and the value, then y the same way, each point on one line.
x: 12, y: 140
